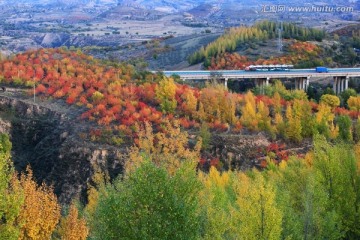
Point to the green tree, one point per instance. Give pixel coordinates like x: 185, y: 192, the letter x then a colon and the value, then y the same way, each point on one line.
x: 205, y: 135
x: 11, y: 194
x: 303, y: 204
x: 150, y: 204
x: 344, y: 122
x: 307, y: 119
x: 345, y: 95
x: 357, y: 130
x: 336, y: 172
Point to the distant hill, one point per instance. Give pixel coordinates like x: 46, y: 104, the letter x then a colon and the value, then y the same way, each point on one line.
x: 62, y: 2
x: 348, y: 30
x: 165, y: 5
x: 171, y: 6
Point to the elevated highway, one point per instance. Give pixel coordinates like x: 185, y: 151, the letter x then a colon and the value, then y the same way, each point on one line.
x: 301, y: 77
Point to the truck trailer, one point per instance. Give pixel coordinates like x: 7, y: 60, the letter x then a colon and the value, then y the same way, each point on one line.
x: 321, y: 69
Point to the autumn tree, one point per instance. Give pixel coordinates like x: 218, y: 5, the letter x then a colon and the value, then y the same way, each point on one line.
x: 279, y: 124
x: 259, y: 215
x: 293, y: 124
x: 40, y: 212
x: 330, y: 100
x: 248, y: 112
x: 190, y: 102
x: 277, y: 102
x: 325, y: 121
x: 218, y: 205
x: 165, y: 94
x: 73, y: 227
x: 168, y: 148
x: 354, y: 103
x: 264, y: 117
x: 307, y: 119
x: 217, y: 104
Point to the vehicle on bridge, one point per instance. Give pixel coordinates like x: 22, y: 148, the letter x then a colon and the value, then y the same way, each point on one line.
x: 278, y: 67
x: 321, y: 70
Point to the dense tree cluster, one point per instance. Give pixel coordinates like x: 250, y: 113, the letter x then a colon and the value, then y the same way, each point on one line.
x: 298, y: 54
x: 229, y: 42
x: 314, y: 197
x: 29, y: 211
x: 163, y: 192
x: 290, y: 30
x: 233, y: 38
x: 114, y: 98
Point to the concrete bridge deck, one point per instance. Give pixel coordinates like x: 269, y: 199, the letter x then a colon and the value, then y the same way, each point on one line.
x: 301, y: 76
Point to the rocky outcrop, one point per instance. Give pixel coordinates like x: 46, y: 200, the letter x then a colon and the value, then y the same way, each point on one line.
x: 49, y: 142
x: 5, y: 126
x: 55, y: 40
x: 238, y: 151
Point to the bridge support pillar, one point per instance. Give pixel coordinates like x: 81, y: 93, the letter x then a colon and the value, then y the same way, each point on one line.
x: 302, y: 83
x: 340, y: 84
x: 258, y: 82
x: 335, y: 85
x: 297, y: 83
x: 226, y: 83
x: 261, y: 83
x: 307, y: 84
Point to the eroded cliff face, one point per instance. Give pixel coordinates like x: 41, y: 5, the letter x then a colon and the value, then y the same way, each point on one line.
x: 49, y: 142
x: 238, y: 151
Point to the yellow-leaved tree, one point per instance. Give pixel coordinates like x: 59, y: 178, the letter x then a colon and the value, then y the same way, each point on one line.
x: 277, y: 103
x: 216, y: 103
x: 248, y: 112
x: 325, y: 121
x: 354, y: 103
x: 258, y: 215
x: 190, y: 102
x: 263, y: 117
x: 165, y: 93
x: 40, y: 212
x: 330, y: 100
x: 217, y: 204
x: 72, y: 227
x: 168, y: 148
x: 293, y: 124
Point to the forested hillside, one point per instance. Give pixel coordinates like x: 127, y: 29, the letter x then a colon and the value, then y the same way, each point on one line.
x: 262, y: 31
x: 117, y: 97
x: 303, y: 47
x: 171, y: 186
